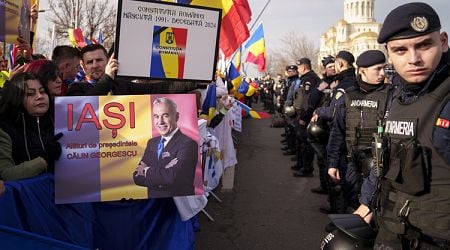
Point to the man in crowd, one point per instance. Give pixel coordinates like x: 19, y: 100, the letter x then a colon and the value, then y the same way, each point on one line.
x: 412, y: 198
x: 168, y: 165
x: 67, y: 59
x: 306, y: 100
x: 99, y: 69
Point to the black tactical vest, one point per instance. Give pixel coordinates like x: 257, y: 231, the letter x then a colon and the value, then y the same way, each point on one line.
x: 415, y: 189
x: 363, y: 110
x: 301, y: 97
x: 308, y: 81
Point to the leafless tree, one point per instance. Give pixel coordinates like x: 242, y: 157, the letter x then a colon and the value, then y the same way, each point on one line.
x: 293, y: 47
x: 42, y: 45
x: 94, y: 16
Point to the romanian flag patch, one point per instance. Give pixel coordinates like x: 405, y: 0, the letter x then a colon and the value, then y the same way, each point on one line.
x: 443, y: 123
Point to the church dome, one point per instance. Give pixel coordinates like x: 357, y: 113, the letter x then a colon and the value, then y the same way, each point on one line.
x: 366, y: 35
x: 342, y: 22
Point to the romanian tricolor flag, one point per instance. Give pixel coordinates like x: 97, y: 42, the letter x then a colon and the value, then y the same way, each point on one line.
x: 237, y: 59
x: 100, y: 38
x: 235, y: 16
x: 252, y: 113
x: 249, y: 111
x: 76, y: 37
x: 257, y: 49
x: 234, y: 76
x: 209, y: 104
x: 244, y: 9
x: 247, y: 89
x: 168, y: 52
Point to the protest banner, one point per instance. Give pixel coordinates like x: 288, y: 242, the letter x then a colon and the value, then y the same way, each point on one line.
x: 170, y: 41
x: 106, y: 138
x: 236, y: 117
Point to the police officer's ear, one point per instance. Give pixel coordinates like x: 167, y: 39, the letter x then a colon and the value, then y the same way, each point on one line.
x: 361, y: 71
x: 444, y: 41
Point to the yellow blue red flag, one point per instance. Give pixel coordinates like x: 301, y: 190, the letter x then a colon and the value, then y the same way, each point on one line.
x: 257, y: 49
x: 209, y: 104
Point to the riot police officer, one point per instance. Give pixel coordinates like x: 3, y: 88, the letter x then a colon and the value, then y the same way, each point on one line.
x: 277, y: 93
x: 356, y: 118
x: 306, y: 100
x: 270, y: 94
x: 292, y: 86
x: 412, y: 202
x: 346, y: 81
x: 319, y: 144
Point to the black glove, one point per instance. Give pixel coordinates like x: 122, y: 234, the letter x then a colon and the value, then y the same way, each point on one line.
x: 52, y: 152
x: 216, y: 120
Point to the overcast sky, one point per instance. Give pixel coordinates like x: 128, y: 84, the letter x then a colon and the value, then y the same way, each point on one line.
x: 310, y: 18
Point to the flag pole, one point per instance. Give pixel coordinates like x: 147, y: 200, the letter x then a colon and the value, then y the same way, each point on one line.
x: 259, y: 15
x: 251, y: 28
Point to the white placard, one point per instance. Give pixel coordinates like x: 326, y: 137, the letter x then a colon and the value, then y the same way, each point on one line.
x: 166, y: 40
x: 236, y: 120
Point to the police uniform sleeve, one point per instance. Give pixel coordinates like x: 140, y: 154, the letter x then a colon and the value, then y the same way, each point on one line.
x: 325, y: 113
x: 368, y: 190
x: 337, y: 136
x: 314, y: 97
x: 441, y: 133
x: 313, y: 102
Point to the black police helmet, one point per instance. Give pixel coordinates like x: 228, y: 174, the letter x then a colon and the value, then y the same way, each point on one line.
x: 338, y: 240
x: 318, y: 132
x: 351, y: 233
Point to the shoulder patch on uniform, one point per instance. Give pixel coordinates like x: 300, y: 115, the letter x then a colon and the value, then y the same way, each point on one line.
x: 338, y: 95
x: 307, y: 86
x: 443, y: 123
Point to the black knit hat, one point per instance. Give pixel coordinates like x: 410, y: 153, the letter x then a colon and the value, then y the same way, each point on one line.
x: 370, y: 58
x: 347, y: 56
x: 408, y: 21
x: 292, y: 67
x: 327, y: 60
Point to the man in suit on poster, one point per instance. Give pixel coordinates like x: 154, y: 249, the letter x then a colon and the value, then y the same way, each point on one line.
x: 168, y: 165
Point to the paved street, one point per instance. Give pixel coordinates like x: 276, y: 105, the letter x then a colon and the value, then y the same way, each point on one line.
x: 268, y: 207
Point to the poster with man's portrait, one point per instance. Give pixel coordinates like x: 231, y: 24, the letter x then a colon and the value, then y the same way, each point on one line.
x: 117, y: 147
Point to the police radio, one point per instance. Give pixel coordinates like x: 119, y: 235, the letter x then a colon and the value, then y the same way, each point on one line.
x: 379, y: 146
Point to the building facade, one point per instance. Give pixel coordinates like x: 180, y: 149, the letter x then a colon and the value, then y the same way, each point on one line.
x: 356, y: 32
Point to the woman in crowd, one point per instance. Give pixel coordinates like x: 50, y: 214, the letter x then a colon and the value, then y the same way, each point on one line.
x: 27, y: 144
x: 48, y: 75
